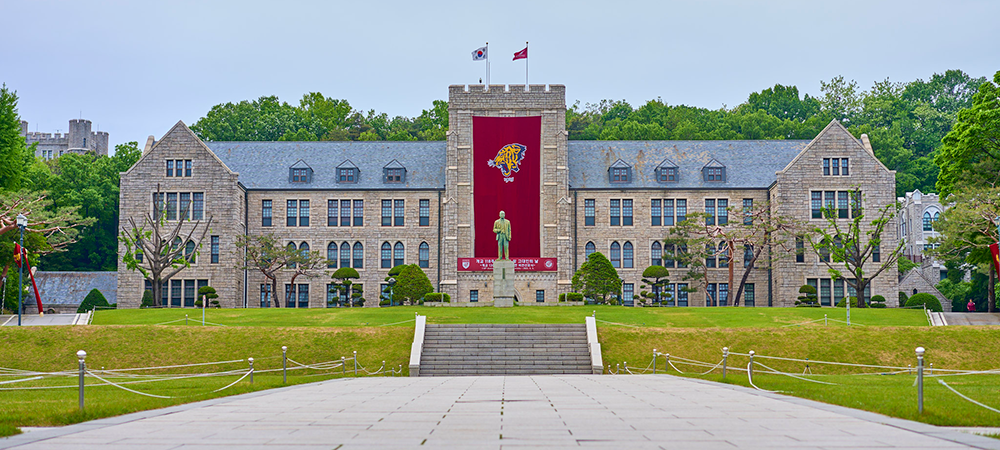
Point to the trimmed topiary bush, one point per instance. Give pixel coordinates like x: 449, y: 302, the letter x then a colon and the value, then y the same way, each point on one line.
x: 562, y: 297
x: 94, y: 299
x: 437, y: 297
x: 878, y: 301
x: 147, y: 299
x: 902, y: 299
x: 574, y: 297
x: 808, y: 297
x: 926, y: 300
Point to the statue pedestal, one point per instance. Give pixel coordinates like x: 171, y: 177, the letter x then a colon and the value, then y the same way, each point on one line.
x: 503, y: 283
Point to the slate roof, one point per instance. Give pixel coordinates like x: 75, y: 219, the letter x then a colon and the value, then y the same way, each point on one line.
x: 749, y: 164
x: 264, y: 165
x: 70, y: 288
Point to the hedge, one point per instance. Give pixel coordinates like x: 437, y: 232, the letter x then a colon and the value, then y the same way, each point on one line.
x: 94, y: 299
x: 924, y: 299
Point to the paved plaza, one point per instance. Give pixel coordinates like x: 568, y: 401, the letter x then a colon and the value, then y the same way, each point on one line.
x: 550, y: 412
x: 34, y: 320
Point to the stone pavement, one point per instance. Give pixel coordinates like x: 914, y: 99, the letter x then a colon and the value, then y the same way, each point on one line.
x: 523, y: 412
x: 32, y: 320
x: 971, y: 318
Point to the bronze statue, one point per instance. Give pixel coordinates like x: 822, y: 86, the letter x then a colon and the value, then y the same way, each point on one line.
x: 502, y: 229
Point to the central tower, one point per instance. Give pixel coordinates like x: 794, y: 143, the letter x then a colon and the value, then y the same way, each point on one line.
x: 507, y: 151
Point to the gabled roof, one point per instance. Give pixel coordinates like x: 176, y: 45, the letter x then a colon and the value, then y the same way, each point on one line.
x: 666, y: 164
x: 347, y: 164
x: 300, y: 164
x: 713, y: 163
x: 620, y: 164
x: 749, y: 164
x: 179, y: 131
x: 394, y: 164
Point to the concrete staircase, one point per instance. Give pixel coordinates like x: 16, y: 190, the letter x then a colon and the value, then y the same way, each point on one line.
x: 496, y: 349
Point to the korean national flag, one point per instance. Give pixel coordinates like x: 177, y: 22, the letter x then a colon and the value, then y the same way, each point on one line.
x: 479, y: 54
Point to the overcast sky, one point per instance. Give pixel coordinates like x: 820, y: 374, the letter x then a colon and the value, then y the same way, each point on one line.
x: 135, y: 68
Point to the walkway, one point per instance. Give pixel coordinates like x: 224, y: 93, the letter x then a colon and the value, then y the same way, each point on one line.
x: 550, y: 412
x: 971, y: 318
x: 32, y: 320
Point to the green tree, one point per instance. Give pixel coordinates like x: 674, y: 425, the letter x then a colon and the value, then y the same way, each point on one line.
x: 411, y: 284
x: 344, y: 284
x: 655, y: 278
x: 93, y: 300
x: 966, y: 230
x: 841, y: 99
x: 206, y: 294
x: 808, y: 297
x: 15, y: 156
x: 597, y: 278
x: 970, y: 155
x: 264, y: 119
x: 265, y: 254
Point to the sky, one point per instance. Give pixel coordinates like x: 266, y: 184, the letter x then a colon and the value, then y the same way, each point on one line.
x: 134, y: 68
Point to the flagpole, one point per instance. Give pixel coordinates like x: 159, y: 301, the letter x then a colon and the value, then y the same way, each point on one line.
x: 487, y: 64
x: 526, y: 66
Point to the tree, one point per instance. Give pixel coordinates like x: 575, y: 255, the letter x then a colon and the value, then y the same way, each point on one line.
x: 841, y: 99
x: 970, y: 154
x: 411, y: 284
x: 264, y: 119
x: 808, y: 297
x: 157, y: 249
x: 597, y: 278
x: 967, y: 229
x: 303, y: 263
x: 655, y: 278
x: 205, y: 296
x: 850, y: 247
x: 926, y: 300
x: 343, y: 284
x: 93, y: 300
x: 265, y: 254
x: 15, y: 156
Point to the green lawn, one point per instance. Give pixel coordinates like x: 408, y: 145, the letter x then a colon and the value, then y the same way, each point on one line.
x: 726, y: 317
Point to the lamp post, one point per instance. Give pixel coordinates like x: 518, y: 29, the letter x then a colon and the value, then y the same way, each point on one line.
x: 22, y: 222
x: 392, y: 282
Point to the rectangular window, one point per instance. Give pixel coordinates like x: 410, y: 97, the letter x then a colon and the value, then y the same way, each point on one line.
x: 386, y: 213
x: 816, y: 203
x: 710, y: 254
x: 198, y: 206
x: 619, y: 175
x: 655, y: 214
x: 393, y: 175
x: 171, y: 206
x: 346, y: 175
x: 170, y: 167
x: 838, y: 289
x: 215, y: 250
x: 615, y: 209
x: 331, y: 213
x: 425, y: 212
x: 185, y: 206
x: 539, y: 296
x: 668, y: 212
x: 176, y: 289
x: 628, y: 294
x: 345, y: 213
x: 682, y: 294
x: 189, y: 293
x: 397, y: 213
x: 710, y: 296
x: 841, y: 204
x: 289, y: 295
x: 748, y: 211
x: 748, y: 294
x: 835, y: 167
x: 265, y: 213
x: 359, y: 211
x: 291, y: 213
x: 588, y: 212
x: 710, y: 211
x: 800, y: 249
x: 723, y: 210
x: 682, y: 210
x: 723, y: 294
x: 876, y: 254
x: 826, y: 166
x: 843, y: 167
x: 856, y: 204
x: 303, y: 296
x: 627, y: 212
x: 824, y: 291
x: 299, y: 175
x: 188, y: 164
x: 331, y: 295
x: 265, y: 295
x: 830, y: 204
x: 303, y: 213
x: 474, y: 296
x: 714, y: 174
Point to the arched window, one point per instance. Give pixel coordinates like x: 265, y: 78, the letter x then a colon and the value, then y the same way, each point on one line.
x: 359, y: 256
x: 425, y: 255
x: 937, y: 215
x: 176, y: 243
x: 747, y: 255
x: 291, y: 248
x: 723, y: 254
x: 386, y: 255
x: 331, y: 255
x: 627, y: 255
x: 927, y: 222
x: 304, y: 249
x: 616, y: 255
x: 345, y: 255
x: 397, y: 254
x: 189, y: 251
x: 710, y: 255
x: 655, y: 254
x: 590, y: 248
x: 824, y: 252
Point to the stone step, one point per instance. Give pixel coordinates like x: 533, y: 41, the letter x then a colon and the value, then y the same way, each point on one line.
x: 510, y: 343
x: 431, y: 326
x: 505, y: 372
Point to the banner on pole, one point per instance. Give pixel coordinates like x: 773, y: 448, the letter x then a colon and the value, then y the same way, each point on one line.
x: 520, y: 264
x: 995, y: 251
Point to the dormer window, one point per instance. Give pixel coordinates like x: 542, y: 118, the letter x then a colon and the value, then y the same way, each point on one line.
x: 300, y: 172
x: 620, y: 172
x: 347, y: 172
x: 666, y: 172
x: 394, y: 173
x: 300, y: 175
x: 713, y: 172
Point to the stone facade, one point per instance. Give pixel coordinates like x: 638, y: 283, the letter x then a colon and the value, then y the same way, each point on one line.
x: 79, y: 139
x: 918, y: 212
x: 240, y: 178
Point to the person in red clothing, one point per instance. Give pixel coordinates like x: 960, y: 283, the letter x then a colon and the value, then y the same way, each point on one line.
x: 971, y: 306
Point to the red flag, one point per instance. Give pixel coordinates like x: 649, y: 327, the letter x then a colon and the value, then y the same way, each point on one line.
x: 523, y: 54
x: 18, y: 250
x: 995, y: 250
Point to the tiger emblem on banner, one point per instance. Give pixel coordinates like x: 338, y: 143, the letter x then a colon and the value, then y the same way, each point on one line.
x: 508, y: 160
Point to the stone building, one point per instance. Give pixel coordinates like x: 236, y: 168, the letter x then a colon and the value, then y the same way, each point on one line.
x: 917, y: 214
x: 78, y: 139
x: 374, y: 205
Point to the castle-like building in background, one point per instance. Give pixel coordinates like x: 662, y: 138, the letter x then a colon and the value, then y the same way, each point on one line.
x: 372, y: 206
x: 79, y: 139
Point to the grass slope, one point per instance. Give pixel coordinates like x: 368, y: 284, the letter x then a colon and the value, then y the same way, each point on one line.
x: 727, y: 317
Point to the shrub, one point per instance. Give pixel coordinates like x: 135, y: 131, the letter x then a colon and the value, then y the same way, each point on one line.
x: 926, y: 300
x: 437, y: 297
x: 902, y: 299
x: 843, y: 302
x: 562, y: 297
x: 383, y: 302
x: 147, y: 299
x: 94, y: 299
x: 447, y: 298
x: 878, y: 301
x: 574, y: 297
x: 808, y: 297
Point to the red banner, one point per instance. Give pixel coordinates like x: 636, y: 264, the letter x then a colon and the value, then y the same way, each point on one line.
x: 507, y: 169
x: 520, y: 264
x: 995, y: 250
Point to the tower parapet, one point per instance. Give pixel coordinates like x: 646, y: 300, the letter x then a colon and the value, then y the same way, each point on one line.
x: 513, y: 97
